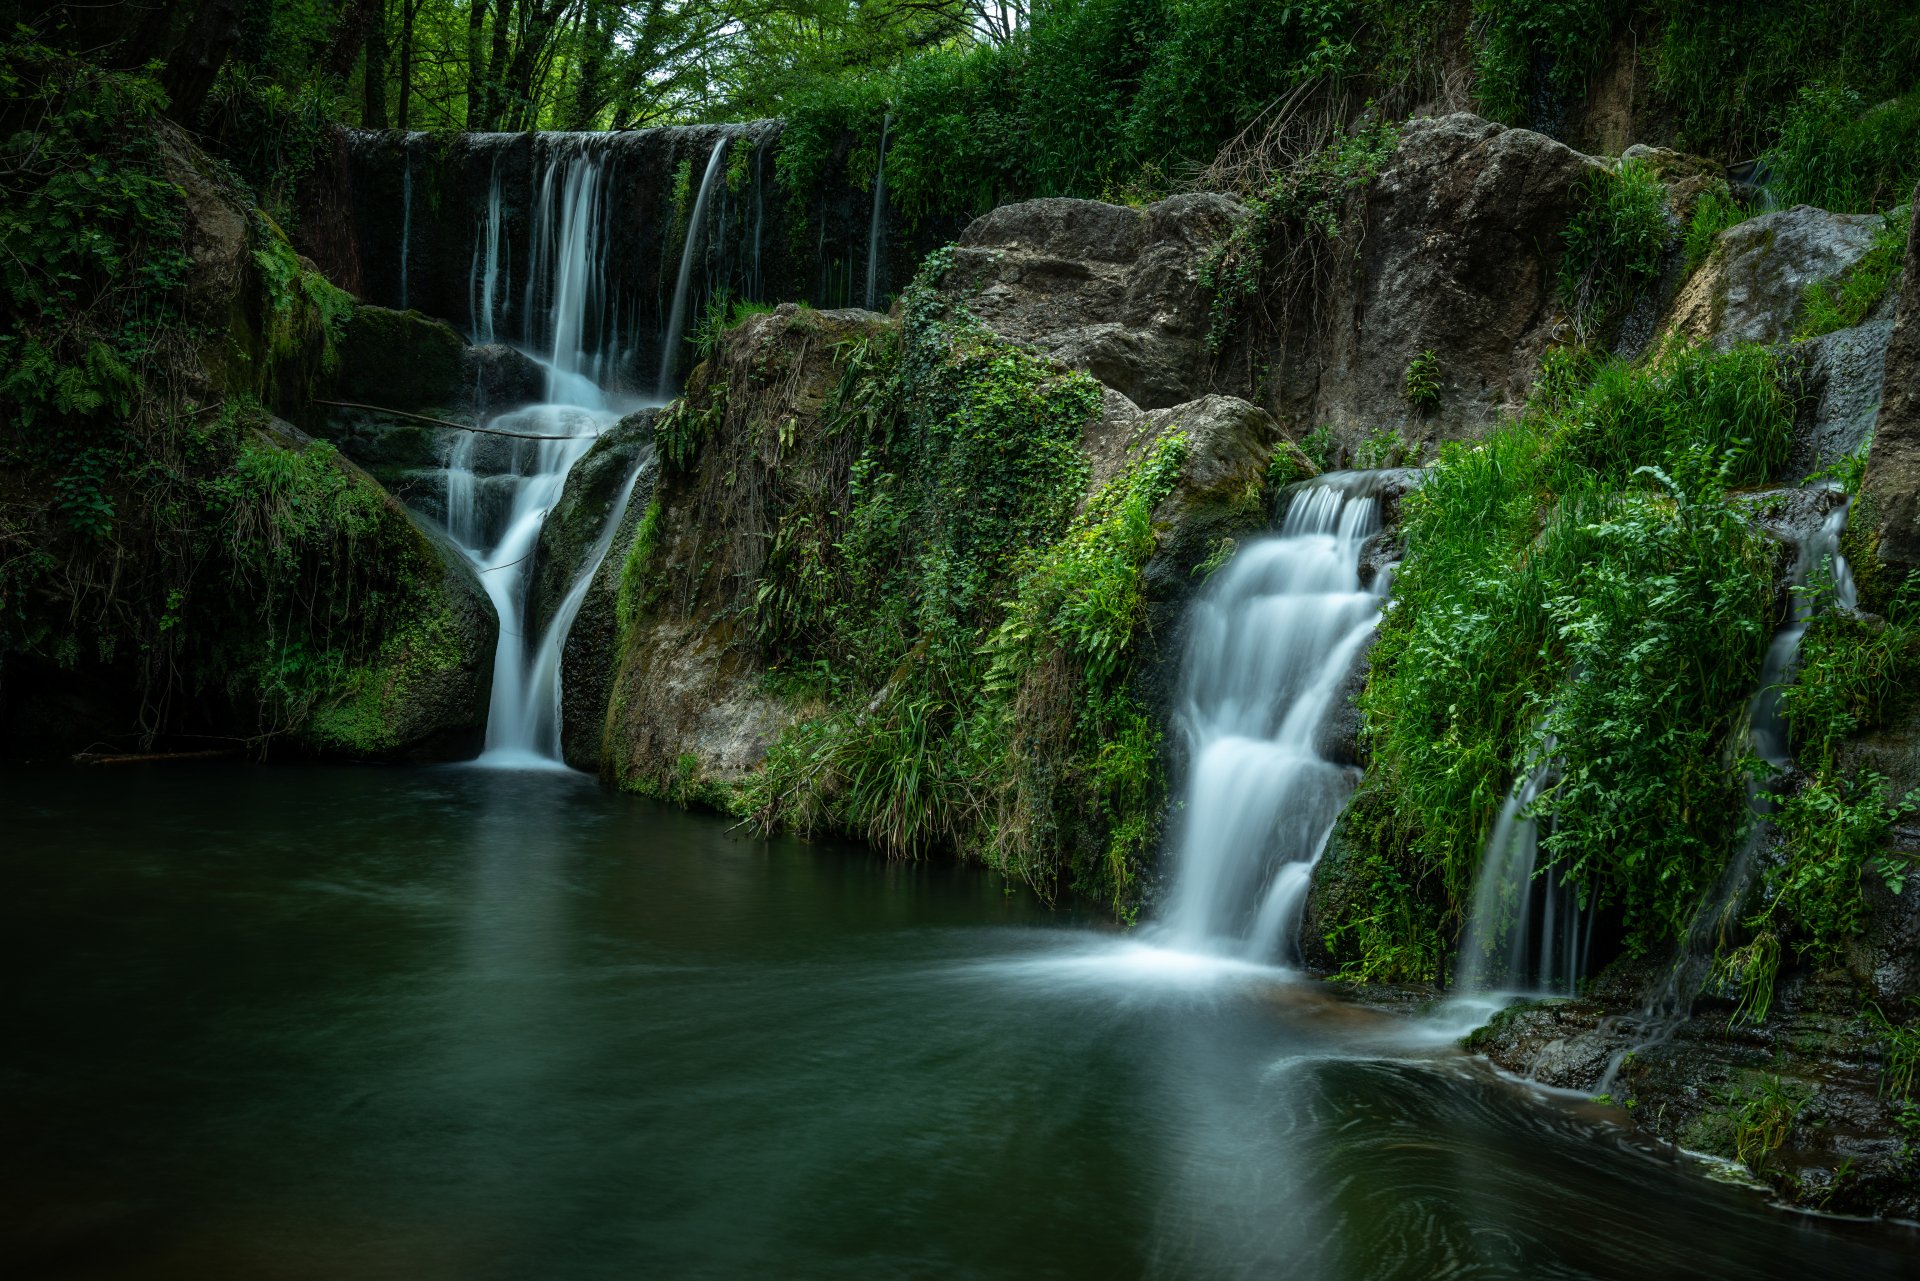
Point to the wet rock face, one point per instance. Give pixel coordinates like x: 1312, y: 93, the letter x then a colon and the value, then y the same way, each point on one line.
x: 1893, y: 469
x: 1458, y: 256
x: 1842, y: 380
x: 1751, y: 288
x: 1103, y: 288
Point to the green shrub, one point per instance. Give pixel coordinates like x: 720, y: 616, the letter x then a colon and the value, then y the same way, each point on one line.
x: 1421, y: 386
x: 1612, y: 245
x: 1835, y: 153
x: 1579, y: 577
x: 1713, y: 213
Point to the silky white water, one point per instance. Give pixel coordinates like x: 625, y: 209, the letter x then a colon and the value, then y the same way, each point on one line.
x: 502, y: 484
x: 677, y: 318
x: 485, y: 287
x: 1272, y: 640
x: 1526, y: 931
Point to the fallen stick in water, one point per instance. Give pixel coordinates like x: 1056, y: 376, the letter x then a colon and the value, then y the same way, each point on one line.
x: 98, y: 758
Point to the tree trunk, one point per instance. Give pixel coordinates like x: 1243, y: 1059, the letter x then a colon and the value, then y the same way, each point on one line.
x: 191, y: 69
x: 596, y: 44
x: 476, y: 65
x: 373, y: 114
x: 541, y: 19
x: 497, y: 62
x: 407, y: 9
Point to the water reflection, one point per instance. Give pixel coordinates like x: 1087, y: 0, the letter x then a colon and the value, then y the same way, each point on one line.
x: 472, y: 1024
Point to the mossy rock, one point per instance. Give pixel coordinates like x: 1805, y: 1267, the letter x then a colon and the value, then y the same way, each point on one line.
x: 425, y: 695
x: 399, y: 360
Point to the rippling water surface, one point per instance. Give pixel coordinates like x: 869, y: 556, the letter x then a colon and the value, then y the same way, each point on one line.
x: 453, y: 1023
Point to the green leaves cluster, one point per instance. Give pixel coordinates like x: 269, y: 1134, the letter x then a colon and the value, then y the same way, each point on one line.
x: 1580, y: 577
x: 1612, y: 246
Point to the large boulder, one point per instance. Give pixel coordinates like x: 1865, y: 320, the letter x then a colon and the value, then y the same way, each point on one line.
x: 1893, y: 469
x: 1458, y: 248
x: 1103, y: 288
x: 1752, y: 287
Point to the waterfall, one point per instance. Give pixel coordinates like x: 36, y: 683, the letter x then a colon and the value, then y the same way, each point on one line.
x: 501, y: 487
x: 1767, y: 739
x: 878, y: 216
x: 496, y: 517
x: 568, y: 270
x: 484, y: 287
x: 677, y: 319
x: 756, y: 282
x: 406, y: 215
x: 539, y: 714
x: 1524, y: 929
x: 1272, y: 641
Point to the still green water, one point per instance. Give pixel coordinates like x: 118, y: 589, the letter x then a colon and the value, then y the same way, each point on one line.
x: 462, y: 1024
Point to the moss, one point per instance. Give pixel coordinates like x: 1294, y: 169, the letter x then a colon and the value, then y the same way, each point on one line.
x: 374, y: 709
x: 399, y: 360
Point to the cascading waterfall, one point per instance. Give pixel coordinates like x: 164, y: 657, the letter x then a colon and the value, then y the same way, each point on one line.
x: 677, y: 318
x: 878, y: 218
x: 485, y: 288
x: 1526, y: 932
x: 1272, y: 642
x: 501, y: 485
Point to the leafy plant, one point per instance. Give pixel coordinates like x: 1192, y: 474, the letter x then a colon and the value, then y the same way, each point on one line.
x: 1612, y: 245
x: 1714, y: 212
x: 1422, y: 384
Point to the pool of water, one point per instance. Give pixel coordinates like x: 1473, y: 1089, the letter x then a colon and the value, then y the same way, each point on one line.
x: 458, y: 1023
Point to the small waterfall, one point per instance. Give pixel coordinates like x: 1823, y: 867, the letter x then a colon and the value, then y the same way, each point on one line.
x: 1271, y: 644
x: 539, y: 727
x: 878, y: 217
x: 495, y: 514
x: 1767, y: 737
x: 406, y: 215
x: 569, y: 249
x: 484, y: 286
x: 756, y: 280
x: 1526, y: 932
x: 677, y: 319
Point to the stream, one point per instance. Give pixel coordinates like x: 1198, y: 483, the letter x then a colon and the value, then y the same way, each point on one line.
x: 475, y: 1023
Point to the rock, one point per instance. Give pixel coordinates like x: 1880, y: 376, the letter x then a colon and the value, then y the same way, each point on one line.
x: 400, y: 360
x: 1842, y: 378
x: 497, y: 378
x: 1458, y: 254
x: 1338, y: 888
x: 690, y: 712
x: 574, y: 531
x: 424, y: 695
x: 1750, y: 289
x: 1103, y: 288
x: 1893, y: 469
